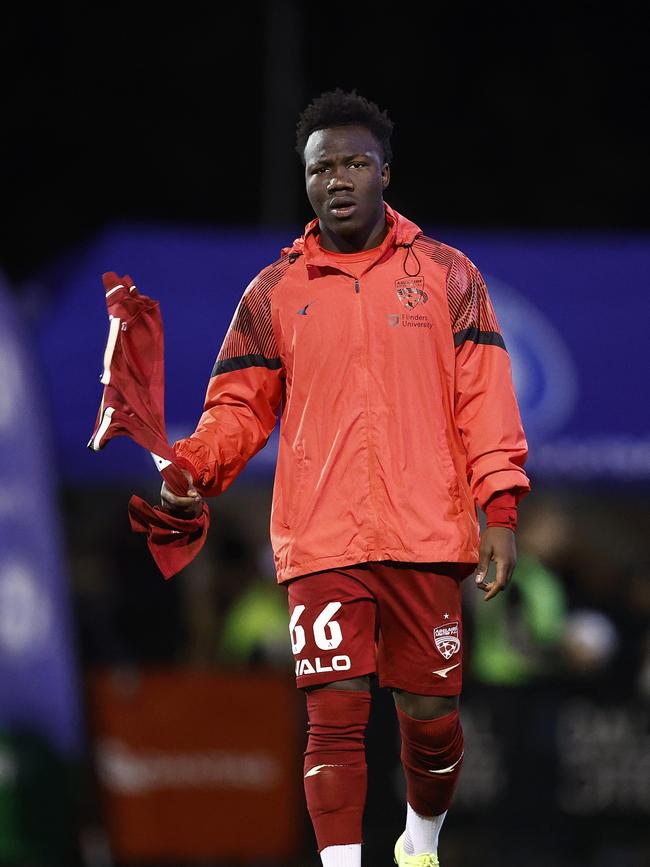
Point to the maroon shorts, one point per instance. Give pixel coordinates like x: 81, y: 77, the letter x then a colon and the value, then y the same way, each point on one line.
x: 400, y: 620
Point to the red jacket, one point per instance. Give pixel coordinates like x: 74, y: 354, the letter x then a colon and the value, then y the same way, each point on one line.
x: 398, y: 410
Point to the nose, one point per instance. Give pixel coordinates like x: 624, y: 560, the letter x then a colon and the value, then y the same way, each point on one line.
x: 340, y: 180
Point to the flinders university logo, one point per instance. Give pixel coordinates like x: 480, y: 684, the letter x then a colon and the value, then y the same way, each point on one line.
x: 410, y: 291
x: 447, y: 640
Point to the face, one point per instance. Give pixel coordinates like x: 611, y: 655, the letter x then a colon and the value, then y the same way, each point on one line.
x: 346, y: 177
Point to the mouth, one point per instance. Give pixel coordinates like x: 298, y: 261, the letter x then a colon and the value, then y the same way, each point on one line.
x: 342, y: 207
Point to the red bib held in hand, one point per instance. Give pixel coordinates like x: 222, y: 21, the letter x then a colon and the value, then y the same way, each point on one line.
x: 133, y: 405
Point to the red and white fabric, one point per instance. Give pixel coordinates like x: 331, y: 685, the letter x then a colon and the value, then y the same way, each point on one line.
x: 133, y: 405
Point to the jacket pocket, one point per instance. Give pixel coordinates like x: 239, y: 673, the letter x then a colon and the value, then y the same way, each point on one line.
x: 289, y: 486
x: 449, y: 469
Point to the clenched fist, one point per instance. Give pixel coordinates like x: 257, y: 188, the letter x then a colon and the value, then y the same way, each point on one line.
x: 187, y: 507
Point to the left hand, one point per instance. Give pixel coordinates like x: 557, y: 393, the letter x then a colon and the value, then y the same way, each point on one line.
x: 498, y: 544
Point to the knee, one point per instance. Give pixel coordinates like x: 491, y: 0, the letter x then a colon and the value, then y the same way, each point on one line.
x: 337, y: 720
x: 424, y: 707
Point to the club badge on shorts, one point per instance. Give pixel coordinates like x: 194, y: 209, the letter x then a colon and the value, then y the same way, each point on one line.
x: 447, y: 639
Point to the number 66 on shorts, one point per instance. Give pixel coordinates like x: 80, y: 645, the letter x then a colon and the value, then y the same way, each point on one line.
x: 327, y: 635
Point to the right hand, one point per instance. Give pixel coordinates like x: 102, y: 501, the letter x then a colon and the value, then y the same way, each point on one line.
x: 190, y: 506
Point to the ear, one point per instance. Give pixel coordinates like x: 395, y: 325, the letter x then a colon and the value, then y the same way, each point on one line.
x: 385, y: 175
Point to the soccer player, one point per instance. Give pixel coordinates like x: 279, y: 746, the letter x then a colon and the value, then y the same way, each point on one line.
x: 398, y: 417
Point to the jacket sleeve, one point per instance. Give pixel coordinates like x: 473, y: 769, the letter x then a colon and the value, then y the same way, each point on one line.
x: 485, y: 406
x: 243, y: 395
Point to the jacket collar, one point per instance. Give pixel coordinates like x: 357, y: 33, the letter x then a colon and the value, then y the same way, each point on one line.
x: 401, y: 233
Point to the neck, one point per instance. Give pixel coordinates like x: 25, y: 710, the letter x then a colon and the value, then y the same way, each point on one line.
x: 365, y: 239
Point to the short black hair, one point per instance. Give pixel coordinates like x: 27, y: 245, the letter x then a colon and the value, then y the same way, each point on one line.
x: 341, y: 108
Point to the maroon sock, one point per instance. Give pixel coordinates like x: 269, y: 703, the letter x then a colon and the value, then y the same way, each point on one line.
x: 335, y: 764
x: 432, y: 756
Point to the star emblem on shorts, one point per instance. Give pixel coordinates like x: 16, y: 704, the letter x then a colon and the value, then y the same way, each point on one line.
x: 445, y: 616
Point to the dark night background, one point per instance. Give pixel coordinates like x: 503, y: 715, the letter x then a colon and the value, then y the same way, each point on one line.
x: 509, y: 115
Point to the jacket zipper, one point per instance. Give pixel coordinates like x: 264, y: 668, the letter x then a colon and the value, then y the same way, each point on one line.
x: 365, y: 361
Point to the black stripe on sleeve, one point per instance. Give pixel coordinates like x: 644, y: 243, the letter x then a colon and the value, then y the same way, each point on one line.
x: 239, y: 362
x: 492, y: 338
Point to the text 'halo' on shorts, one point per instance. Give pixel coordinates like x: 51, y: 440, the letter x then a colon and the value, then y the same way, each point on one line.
x: 400, y: 620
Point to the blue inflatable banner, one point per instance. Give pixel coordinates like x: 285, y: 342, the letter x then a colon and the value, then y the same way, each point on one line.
x: 38, y: 684
x: 566, y: 304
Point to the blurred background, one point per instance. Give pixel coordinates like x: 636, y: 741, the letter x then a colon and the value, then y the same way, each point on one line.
x: 157, y: 723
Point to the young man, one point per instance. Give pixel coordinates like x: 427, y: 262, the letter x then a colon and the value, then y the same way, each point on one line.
x: 398, y: 418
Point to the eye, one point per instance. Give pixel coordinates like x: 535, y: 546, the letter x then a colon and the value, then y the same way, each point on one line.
x: 358, y: 164
x: 318, y: 170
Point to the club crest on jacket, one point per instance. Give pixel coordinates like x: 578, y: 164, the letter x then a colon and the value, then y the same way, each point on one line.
x: 410, y: 291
